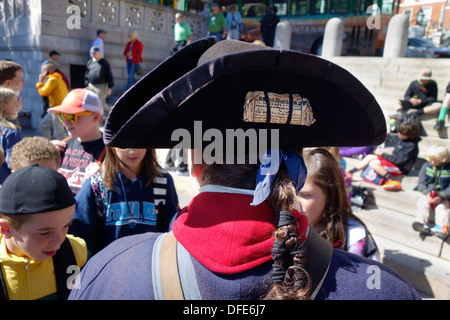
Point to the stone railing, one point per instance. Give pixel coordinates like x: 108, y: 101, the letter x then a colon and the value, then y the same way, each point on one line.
x: 140, y: 15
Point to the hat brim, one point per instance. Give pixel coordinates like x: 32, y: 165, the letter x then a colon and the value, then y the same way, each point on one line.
x: 214, y: 93
x: 67, y: 108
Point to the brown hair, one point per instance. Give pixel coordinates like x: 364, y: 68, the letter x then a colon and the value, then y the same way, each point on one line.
x: 31, y: 149
x: 16, y: 220
x: 325, y: 172
x: 8, y: 70
x: 111, y: 167
x: 409, y: 128
x: 288, y: 253
x: 290, y: 279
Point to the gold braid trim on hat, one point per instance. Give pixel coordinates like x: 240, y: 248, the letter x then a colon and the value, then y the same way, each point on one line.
x: 256, y: 106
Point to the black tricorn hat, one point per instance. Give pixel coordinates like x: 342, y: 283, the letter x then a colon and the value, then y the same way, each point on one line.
x: 208, y: 82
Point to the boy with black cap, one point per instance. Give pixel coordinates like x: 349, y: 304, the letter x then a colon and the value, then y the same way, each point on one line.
x: 36, y: 208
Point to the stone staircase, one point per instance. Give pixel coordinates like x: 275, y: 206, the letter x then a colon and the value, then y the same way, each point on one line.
x: 424, y: 261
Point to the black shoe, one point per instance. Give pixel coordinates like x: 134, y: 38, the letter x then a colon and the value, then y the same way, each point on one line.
x: 439, y: 125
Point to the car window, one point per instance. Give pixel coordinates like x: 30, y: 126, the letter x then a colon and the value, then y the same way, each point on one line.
x: 412, y: 43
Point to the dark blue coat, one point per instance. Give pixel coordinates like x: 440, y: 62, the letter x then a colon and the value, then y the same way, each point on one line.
x: 123, y: 271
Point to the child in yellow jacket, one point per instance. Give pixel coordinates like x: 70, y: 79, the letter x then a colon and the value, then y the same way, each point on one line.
x: 52, y: 86
x: 36, y: 208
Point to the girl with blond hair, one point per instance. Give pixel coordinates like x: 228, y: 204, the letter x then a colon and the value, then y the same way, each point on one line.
x: 10, y: 131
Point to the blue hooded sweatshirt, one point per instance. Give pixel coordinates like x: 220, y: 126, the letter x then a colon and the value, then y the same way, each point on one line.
x: 102, y: 216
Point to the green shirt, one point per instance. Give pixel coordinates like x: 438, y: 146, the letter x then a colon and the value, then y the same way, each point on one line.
x: 217, y: 23
x: 182, y: 31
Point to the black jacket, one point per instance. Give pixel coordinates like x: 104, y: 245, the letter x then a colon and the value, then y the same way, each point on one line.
x: 98, y: 72
x: 405, y: 153
x: 426, y: 92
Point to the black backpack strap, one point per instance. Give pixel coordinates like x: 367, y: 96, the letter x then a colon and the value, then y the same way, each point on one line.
x: 3, y: 291
x: 63, y: 258
x: 318, y: 252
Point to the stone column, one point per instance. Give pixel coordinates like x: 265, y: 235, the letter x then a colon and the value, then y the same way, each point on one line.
x: 333, y: 38
x: 396, y: 37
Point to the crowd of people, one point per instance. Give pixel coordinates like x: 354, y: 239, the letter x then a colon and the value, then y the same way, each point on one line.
x: 74, y: 193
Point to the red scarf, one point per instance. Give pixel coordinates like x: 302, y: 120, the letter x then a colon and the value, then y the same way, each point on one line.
x: 226, y: 234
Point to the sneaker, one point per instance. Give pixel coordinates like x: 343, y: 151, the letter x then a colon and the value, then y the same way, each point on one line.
x: 398, y: 115
x: 439, y: 125
x: 421, y: 227
x: 392, y: 185
x: 440, y: 231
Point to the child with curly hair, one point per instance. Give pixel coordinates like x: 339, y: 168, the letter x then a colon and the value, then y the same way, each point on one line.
x: 33, y: 150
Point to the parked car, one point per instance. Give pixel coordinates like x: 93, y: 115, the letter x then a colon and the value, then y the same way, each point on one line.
x: 422, y: 48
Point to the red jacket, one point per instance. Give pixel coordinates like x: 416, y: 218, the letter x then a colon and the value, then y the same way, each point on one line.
x: 136, y: 51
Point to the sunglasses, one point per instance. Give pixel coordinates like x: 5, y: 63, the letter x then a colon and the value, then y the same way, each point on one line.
x: 73, y: 118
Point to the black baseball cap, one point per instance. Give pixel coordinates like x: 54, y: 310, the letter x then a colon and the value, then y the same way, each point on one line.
x: 35, y: 189
x: 53, y: 52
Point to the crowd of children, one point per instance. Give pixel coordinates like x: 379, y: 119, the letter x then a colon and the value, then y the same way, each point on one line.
x: 63, y: 201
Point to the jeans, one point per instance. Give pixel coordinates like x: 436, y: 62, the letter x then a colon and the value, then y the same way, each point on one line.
x: 218, y: 35
x: 131, y: 70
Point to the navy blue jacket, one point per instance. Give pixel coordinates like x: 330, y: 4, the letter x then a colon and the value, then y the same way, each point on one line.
x: 122, y: 271
x: 131, y: 208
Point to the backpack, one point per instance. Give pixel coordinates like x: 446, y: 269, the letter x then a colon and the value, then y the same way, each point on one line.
x: 101, y: 194
x: 413, y: 116
x: 369, y: 175
x: 360, y: 197
x: 63, y: 258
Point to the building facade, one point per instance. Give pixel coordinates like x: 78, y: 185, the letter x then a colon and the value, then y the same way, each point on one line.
x: 30, y: 29
x: 433, y: 15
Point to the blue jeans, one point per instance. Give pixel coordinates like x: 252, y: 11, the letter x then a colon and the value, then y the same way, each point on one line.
x: 218, y: 35
x: 131, y: 70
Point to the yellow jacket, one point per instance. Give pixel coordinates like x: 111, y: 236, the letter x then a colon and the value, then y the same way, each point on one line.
x: 30, y: 279
x: 54, y: 89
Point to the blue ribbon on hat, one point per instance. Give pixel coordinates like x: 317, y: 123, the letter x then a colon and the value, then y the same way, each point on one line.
x: 268, y: 168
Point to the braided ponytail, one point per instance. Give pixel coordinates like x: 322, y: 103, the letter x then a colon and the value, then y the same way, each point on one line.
x: 290, y: 280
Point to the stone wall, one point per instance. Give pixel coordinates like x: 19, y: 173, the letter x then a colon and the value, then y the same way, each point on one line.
x: 30, y: 29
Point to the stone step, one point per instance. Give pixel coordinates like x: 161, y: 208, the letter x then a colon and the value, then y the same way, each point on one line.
x: 442, y: 134
x: 401, y: 201
x: 397, y: 227
x: 429, y: 275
